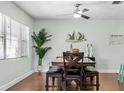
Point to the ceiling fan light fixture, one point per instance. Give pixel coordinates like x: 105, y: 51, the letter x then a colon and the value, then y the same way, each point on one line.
x: 79, y: 12
x: 76, y: 15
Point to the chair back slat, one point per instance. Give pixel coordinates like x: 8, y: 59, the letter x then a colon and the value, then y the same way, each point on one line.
x: 71, y: 61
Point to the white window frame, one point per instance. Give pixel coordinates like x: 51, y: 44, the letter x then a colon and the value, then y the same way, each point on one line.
x: 2, y: 28
x: 5, y: 39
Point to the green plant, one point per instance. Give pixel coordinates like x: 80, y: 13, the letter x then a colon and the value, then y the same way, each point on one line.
x: 81, y: 36
x: 71, y: 37
x: 40, y: 39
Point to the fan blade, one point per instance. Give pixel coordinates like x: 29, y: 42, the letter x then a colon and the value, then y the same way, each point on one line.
x: 85, y: 10
x: 84, y: 16
x: 117, y: 2
x: 64, y: 14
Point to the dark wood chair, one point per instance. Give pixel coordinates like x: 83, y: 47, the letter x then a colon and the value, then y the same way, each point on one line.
x: 93, y: 59
x: 91, y: 72
x: 72, y: 68
x: 54, y: 72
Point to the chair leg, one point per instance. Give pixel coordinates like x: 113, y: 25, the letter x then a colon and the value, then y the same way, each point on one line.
x: 81, y: 83
x: 47, y: 82
x: 97, y: 82
x: 85, y: 81
x: 91, y: 79
x: 65, y: 84
x: 53, y: 81
x: 59, y: 83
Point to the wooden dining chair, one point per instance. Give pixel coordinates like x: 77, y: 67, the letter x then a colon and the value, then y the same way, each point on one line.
x: 54, y: 72
x: 72, y: 69
x: 92, y: 73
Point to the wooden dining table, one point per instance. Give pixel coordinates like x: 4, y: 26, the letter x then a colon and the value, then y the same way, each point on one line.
x: 58, y: 61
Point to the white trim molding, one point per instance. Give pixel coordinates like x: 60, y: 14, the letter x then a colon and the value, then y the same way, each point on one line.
x: 35, y: 70
x: 15, y: 81
x: 107, y: 70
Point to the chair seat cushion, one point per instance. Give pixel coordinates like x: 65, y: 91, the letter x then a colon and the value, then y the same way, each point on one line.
x: 90, y: 69
x: 73, y: 72
x: 55, y: 69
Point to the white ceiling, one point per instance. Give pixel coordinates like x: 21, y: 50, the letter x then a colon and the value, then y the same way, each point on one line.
x: 55, y: 9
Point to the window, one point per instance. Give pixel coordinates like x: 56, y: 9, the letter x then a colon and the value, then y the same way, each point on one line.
x: 24, y: 40
x: 1, y: 38
x: 13, y: 39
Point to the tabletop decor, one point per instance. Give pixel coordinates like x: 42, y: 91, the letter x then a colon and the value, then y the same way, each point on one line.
x: 40, y: 39
x: 89, y: 50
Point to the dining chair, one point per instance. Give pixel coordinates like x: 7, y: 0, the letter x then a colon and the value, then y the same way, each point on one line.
x: 92, y: 59
x: 72, y: 69
x: 54, y: 72
x: 91, y: 72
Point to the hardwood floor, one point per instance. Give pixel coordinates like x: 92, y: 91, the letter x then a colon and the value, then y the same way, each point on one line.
x: 36, y: 82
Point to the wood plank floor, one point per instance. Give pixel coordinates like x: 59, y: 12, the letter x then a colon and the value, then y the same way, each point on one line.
x: 36, y: 82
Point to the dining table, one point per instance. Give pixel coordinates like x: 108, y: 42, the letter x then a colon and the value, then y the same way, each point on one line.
x: 58, y: 61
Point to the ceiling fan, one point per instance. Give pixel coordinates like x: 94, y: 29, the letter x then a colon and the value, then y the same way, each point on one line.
x: 117, y: 2
x: 78, y: 13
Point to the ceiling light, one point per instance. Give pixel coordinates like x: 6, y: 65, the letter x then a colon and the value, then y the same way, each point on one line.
x: 79, y: 12
x: 76, y: 15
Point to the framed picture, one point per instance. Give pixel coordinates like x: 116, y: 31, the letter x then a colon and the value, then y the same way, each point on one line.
x: 116, y: 39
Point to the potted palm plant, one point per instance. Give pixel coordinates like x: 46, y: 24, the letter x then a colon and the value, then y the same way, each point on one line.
x: 39, y: 40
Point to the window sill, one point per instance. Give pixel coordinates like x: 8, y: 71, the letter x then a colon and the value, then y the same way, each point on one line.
x: 16, y: 58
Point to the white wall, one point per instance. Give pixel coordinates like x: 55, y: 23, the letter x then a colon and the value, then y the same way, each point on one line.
x: 108, y: 57
x: 13, y: 68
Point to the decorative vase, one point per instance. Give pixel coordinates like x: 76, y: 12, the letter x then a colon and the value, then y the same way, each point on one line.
x: 91, y: 50
x: 71, y: 48
x: 88, y: 50
x: 39, y: 69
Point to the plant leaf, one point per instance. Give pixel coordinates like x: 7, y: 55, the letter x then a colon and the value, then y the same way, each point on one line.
x: 40, y: 39
x: 73, y: 36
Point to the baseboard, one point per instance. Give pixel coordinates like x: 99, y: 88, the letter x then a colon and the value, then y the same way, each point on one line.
x: 35, y: 70
x: 108, y: 71
x: 15, y: 81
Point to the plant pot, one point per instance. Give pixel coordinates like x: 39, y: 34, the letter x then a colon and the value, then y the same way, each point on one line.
x: 39, y: 69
